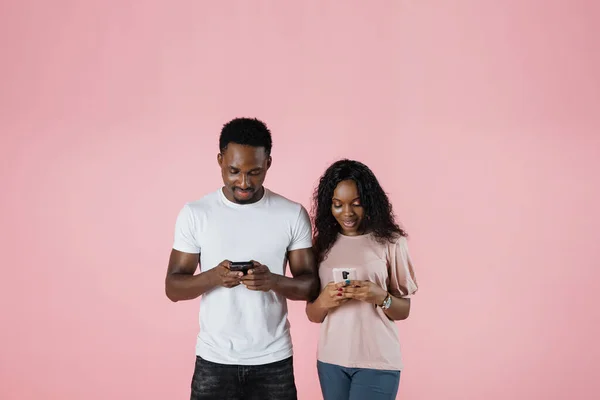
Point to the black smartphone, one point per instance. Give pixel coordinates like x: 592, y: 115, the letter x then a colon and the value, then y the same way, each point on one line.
x: 242, y: 266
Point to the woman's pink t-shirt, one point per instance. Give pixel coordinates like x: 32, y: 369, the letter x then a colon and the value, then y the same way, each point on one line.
x: 358, y: 334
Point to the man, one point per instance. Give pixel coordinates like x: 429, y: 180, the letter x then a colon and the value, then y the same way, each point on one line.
x: 243, y: 349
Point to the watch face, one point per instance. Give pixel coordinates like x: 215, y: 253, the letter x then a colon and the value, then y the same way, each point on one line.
x: 387, y: 302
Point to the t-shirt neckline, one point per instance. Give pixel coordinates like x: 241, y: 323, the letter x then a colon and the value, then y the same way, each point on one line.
x: 230, y: 203
x: 355, y: 237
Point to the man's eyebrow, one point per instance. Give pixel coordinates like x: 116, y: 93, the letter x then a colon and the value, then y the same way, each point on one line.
x: 253, y: 169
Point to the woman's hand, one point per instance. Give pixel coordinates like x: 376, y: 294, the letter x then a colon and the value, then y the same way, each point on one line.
x: 366, y: 291
x: 331, y: 297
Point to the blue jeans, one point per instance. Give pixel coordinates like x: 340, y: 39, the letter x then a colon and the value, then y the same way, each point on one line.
x: 273, y: 381
x: 340, y: 383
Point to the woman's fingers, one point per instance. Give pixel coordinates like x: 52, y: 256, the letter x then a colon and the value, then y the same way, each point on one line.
x: 350, y: 284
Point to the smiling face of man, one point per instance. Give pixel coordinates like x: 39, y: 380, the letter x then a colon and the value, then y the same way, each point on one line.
x: 244, y: 169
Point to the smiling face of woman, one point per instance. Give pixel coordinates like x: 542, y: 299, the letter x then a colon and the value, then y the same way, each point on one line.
x: 347, y: 208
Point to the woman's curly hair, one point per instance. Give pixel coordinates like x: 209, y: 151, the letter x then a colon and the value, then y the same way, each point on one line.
x: 378, y: 219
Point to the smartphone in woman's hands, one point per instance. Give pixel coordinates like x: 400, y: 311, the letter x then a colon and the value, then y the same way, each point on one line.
x: 344, y: 275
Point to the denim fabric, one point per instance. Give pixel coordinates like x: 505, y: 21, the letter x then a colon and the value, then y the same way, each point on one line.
x: 340, y: 383
x: 274, y: 381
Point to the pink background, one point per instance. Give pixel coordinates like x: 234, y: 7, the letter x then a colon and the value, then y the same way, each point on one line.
x: 480, y: 118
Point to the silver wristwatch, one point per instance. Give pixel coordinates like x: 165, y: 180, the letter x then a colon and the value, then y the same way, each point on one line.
x: 387, y: 302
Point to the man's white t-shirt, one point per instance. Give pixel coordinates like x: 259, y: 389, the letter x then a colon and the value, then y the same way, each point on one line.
x: 238, y: 325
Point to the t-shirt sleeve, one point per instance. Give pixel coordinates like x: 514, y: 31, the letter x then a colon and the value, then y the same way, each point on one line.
x: 301, y: 232
x: 403, y: 282
x: 185, y: 232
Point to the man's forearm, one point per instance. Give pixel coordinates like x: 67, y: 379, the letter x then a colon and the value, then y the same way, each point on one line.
x: 181, y: 286
x: 301, y: 287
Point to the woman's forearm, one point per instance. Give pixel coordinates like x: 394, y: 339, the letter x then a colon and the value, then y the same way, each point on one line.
x: 399, y: 309
x: 315, y: 312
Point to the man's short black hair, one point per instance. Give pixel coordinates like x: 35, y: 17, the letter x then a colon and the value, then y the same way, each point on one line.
x: 246, y: 131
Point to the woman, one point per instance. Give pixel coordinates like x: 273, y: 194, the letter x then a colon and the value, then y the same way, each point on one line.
x: 355, y: 232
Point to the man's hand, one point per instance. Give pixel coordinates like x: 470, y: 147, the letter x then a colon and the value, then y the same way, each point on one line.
x: 366, y: 291
x: 224, y: 276
x: 259, y: 278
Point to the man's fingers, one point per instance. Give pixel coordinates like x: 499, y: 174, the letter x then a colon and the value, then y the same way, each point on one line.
x: 225, y: 271
x: 254, y: 282
x: 259, y: 269
x: 256, y: 287
x: 258, y: 282
x: 230, y: 281
x: 231, y: 276
x: 255, y: 266
x: 252, y: 277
